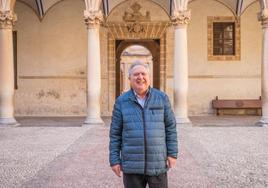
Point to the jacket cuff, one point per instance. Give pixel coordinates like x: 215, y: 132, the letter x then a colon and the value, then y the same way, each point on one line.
x: 115, y: 163
x: 175, y: 157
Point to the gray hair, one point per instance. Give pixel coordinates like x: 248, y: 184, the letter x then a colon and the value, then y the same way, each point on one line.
x: 137, y: 63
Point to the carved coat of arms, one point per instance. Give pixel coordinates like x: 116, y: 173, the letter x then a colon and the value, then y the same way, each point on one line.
x: 135, y: 18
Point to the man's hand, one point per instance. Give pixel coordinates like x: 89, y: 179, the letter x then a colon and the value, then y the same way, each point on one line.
x: 171, y: 162
x: 117, y: 170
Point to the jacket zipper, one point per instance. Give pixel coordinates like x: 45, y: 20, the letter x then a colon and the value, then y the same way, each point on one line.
x: 144, y: 132
x: 144, y: 135
x: 145, y: 143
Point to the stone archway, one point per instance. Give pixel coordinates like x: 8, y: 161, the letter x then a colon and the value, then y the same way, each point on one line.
x: 153, y: 45
x: 138, y: 25
x: 132, y: 54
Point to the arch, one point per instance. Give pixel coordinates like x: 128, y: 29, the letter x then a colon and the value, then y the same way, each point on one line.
x: 136, y: 45
x: 56, y: 3
x: 122, y: 2
x: 31, y: 8
x: 249, y: 5
x: 221, y: 2
x: 45, y: 13
x: 129, y: 55
x: 152, y: 45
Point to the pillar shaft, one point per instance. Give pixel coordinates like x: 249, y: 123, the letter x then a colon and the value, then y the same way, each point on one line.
x: 264, y: 77
x: 180, y: 66
x: 6, y: 70
x: 93, y: 69
x: 263, y: 17
x: 180, y: 72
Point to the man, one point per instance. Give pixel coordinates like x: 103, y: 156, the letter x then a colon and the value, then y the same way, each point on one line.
x: 143, y: 137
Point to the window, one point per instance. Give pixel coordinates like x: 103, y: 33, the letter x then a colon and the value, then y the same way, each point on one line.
x: 223, y: 38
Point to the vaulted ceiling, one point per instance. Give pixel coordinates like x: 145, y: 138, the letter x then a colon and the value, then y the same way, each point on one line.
x: 42, y: 6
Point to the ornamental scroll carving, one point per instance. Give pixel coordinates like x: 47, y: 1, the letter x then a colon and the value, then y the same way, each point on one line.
x: 93, y: 18
x: 263, y: 17
x: 181, y: 18
x: 7, y: 19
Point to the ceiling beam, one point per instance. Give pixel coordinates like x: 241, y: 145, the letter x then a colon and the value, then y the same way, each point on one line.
x: 105, y: 7
x: 170, y: 7
x: 40, y: 8
x: 239, y: 4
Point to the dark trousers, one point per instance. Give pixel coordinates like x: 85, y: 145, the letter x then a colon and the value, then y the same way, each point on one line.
x: 140, y: 181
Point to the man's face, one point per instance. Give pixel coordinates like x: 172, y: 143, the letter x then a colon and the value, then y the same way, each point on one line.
x: 139, y: 79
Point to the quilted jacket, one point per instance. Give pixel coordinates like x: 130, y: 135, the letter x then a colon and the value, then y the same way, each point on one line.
x: 142, y: 138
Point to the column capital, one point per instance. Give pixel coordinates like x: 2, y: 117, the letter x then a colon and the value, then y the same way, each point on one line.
x: 180, y: 18
x: 93, y: 18
x: 263, y: 18
x: 7, y: 19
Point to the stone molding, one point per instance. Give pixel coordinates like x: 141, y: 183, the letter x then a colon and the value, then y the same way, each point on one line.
x: 181, y: 18
x: 137, y: 30
x: 7, y: 19
x: 210, y: 21
x: 263, y: 18
x: 112, y: 67
x: 93, y: 19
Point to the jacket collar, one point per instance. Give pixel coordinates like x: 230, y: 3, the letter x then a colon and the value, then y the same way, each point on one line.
x: 132, y: 96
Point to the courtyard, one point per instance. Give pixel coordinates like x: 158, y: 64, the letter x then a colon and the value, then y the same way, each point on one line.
x: 223, y: 151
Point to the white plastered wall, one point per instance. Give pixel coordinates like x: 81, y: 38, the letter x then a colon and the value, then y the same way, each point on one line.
x: 226, y: 79
x: 52, y: 61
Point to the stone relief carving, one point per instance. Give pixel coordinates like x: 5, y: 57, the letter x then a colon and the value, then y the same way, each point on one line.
x: 7, y: 19
x: 263, y: 17
x: 135, y: 28
x: 135, y: 18
x: 136, y: 15
x: 93, y: 18
x: 137, y: 24
x: 180, y: 17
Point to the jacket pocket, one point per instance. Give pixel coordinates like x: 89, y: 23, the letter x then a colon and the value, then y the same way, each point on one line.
x: 156, y: 109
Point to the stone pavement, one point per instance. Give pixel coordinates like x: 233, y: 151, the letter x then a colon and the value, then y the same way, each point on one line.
x: 56, y: 152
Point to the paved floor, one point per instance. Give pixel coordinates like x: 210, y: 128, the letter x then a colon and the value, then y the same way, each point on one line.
x: 57, y: 152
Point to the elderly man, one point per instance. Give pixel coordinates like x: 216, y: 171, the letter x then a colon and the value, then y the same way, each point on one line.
x: 143, y: 137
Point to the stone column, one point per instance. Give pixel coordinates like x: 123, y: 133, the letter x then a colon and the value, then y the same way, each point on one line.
x: 263, y: 17
x: 7, y: 19
x: 150, y: 64
x: 180, y: 20
x: 125, y: 76
x: 93, y: 20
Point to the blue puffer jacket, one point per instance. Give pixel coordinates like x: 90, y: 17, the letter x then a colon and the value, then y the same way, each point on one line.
x: 142, y: 138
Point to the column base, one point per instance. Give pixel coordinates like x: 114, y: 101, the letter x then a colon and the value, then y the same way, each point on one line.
x: 93, y: 121
x: 184, y: 121
x: 263, y: 122
x: 4, y: 122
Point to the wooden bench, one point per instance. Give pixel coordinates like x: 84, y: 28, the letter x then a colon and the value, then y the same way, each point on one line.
x: 236, y: 104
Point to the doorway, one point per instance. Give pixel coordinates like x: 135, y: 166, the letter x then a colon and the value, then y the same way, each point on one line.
x: 132, y: 54
x: 153, y: 47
